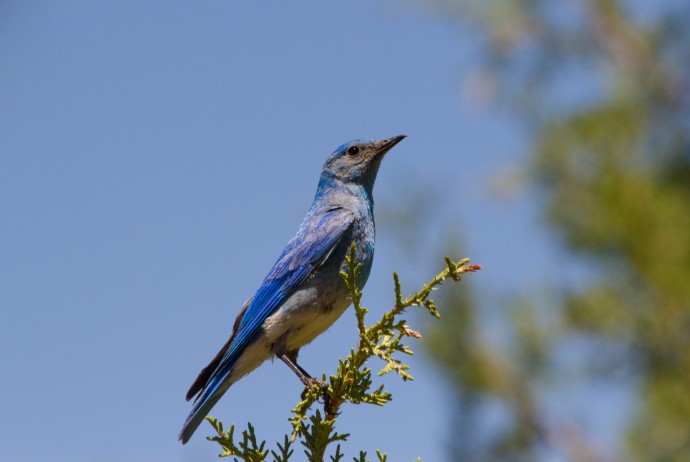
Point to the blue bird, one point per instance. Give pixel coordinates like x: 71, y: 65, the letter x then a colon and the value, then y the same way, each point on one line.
x: 303, y: 293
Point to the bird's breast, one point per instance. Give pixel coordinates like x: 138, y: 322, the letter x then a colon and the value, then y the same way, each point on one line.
x: 307, y: 313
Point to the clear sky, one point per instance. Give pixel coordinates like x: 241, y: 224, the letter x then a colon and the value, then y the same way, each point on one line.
x: 156, y: 156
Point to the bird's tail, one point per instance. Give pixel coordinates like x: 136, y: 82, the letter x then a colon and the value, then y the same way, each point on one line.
x: 203, y: 404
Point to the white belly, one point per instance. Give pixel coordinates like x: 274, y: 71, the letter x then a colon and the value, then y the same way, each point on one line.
x: 302, y: 318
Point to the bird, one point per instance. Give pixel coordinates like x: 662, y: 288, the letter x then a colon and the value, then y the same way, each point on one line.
x: 304, y: 293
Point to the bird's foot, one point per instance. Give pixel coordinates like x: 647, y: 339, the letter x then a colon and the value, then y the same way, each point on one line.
x: 327, y: 405
x: 323, y: 386
x: 310, y: 382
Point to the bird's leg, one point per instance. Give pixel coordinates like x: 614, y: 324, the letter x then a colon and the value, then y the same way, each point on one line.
x: 290, y: 358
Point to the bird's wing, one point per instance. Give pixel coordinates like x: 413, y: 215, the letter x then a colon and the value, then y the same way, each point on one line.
x: 310, y: 248
x: 207, y: 372
x: 315, y: 241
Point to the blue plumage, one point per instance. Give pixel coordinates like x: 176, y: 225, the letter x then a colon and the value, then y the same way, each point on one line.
x: 303, y: 294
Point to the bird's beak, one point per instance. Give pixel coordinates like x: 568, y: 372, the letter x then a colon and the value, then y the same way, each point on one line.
x: 386, y: 145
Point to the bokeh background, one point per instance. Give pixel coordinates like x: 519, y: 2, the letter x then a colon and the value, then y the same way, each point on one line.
x: 156, y: 156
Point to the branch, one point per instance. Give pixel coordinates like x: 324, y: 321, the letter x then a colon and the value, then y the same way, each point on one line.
x: 352, y: 381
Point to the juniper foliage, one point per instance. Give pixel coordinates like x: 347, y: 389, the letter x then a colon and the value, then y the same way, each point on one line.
x: 353, y: 380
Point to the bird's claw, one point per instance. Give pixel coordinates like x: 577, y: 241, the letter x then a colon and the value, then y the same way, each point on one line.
x: 310, y: 382
x: 323, y: 386
x: 327, y: 404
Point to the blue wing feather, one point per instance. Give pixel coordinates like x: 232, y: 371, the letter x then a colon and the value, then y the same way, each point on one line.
x: 301, y: 256
x: 313, y: 244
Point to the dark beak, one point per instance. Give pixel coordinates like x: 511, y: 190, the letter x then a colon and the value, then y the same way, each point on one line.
x: 386, y: 145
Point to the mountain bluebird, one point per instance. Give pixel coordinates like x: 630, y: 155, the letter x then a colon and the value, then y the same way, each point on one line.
x: 303, y: 293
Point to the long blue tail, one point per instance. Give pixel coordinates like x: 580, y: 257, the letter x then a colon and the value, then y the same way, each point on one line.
x: 208, y: 398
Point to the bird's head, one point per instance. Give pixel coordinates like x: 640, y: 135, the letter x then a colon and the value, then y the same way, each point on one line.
x: 358, y: 161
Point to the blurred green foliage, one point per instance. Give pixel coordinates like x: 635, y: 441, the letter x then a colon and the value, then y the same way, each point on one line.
x: 603, y: 88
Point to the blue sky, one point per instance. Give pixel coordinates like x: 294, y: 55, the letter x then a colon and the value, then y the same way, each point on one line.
x: 156, y: 156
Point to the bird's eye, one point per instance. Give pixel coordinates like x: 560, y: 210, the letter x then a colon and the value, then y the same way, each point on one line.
x: 353, y: 150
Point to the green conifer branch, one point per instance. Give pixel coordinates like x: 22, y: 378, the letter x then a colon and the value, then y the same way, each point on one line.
x: 352, y: 381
